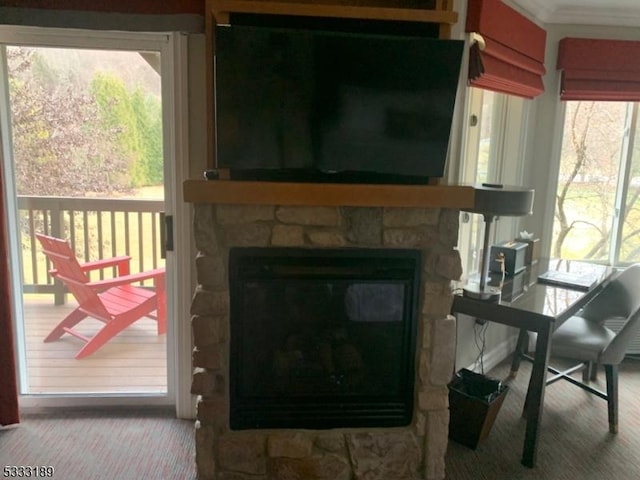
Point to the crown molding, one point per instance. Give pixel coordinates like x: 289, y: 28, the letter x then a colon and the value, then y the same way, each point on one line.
x: 558, y: 12
x: 540, y: 10
x: 621, y: 17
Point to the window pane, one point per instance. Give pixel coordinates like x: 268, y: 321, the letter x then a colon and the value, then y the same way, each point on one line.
x: 484, y: 149
x: 86, y: 149
x: 630, y: 241
x: 483, y: 167
x: 589, y: 165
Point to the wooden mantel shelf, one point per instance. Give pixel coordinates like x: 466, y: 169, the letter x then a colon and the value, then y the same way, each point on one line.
x: 333, y: 8
x: 329, y: 194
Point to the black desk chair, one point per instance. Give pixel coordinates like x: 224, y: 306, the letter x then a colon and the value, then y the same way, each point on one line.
x: 585, y: 338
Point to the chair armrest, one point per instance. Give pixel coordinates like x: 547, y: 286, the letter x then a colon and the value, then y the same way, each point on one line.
x: 101, y: 285
x: 122, y: 262
x: 104, y: 263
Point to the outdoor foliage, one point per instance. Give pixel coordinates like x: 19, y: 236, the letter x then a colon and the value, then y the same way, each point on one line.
x: 84, y: 124
x: 593, y: 154
x: 135, y: 121
x: 71, y: 138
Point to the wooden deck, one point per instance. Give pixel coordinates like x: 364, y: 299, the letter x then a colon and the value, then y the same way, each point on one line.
x: 134, y: 361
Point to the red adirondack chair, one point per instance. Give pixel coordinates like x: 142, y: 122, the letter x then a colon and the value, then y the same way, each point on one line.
x: 116, y: 302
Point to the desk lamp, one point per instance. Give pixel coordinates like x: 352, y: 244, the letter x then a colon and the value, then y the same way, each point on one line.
x: 491, y: 201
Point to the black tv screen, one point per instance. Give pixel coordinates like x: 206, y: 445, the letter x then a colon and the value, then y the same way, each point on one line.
x: 316, y: 105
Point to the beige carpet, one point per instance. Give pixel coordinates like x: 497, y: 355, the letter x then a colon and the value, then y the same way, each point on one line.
x: 148, y: 444
x: 125, y: 445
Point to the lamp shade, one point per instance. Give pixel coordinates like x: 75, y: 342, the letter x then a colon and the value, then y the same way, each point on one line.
x: 495, y: 200
x: 502, y: 200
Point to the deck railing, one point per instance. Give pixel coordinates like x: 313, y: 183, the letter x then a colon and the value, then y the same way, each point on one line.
x: 96, y: 227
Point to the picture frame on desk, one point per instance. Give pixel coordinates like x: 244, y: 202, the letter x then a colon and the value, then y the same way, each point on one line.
x: 578, y: 281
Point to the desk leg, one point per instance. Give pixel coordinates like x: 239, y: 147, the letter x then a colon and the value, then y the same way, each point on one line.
x: 534, y: 403
x: 521, y: 347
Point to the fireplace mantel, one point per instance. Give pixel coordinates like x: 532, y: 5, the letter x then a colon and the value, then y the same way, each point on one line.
x: 330, y: 194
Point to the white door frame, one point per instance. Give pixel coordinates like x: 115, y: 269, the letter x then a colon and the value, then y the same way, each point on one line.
x: 173, y: 50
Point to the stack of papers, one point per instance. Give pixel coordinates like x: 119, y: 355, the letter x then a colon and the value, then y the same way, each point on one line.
x: 579, y: 281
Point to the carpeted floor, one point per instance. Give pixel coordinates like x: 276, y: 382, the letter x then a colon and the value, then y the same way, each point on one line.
x: 151, y: 444
x: 575, y: 442
x: 109, y: 444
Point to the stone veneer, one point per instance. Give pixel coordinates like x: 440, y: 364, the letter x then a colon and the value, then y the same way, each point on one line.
x: 400, y: 453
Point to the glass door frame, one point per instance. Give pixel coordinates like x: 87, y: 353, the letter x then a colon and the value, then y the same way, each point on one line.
x: 173, y: 50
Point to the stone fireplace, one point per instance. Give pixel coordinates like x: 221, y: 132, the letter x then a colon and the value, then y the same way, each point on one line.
x: 405, y: 450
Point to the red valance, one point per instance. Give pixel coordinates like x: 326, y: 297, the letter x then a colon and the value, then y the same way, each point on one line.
x: 512, y: 60
x: 596, y: 69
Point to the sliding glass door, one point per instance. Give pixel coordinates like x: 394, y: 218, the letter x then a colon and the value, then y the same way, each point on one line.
x: 89, y: 150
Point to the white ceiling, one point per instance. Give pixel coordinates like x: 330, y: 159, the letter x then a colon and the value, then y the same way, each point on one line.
x: 585, y: 12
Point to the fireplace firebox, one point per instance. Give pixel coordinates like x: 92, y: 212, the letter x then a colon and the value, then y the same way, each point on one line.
x: 322, y: 338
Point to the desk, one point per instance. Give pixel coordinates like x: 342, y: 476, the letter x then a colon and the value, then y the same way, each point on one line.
x: 534, y: 307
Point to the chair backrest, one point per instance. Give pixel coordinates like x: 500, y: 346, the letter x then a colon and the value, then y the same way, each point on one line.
x: 69, y: 271
x: 619, y: 299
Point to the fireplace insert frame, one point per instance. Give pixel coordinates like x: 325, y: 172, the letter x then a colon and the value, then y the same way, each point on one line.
x: 251, y: 409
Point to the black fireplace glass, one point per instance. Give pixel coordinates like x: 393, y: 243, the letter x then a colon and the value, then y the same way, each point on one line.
x: 322, y: 338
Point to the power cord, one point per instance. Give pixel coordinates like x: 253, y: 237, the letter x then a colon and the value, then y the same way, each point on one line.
x: 480, y: 339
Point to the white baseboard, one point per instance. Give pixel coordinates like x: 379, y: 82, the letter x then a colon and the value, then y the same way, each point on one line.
x: 34, y: 403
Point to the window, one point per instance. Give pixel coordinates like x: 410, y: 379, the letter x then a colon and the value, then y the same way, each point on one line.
x: 597, y: 212
x: 494, y: 145
x: 173, y: 49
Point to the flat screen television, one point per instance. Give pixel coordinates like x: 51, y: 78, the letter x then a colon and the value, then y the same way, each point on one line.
x: 310, y: 104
